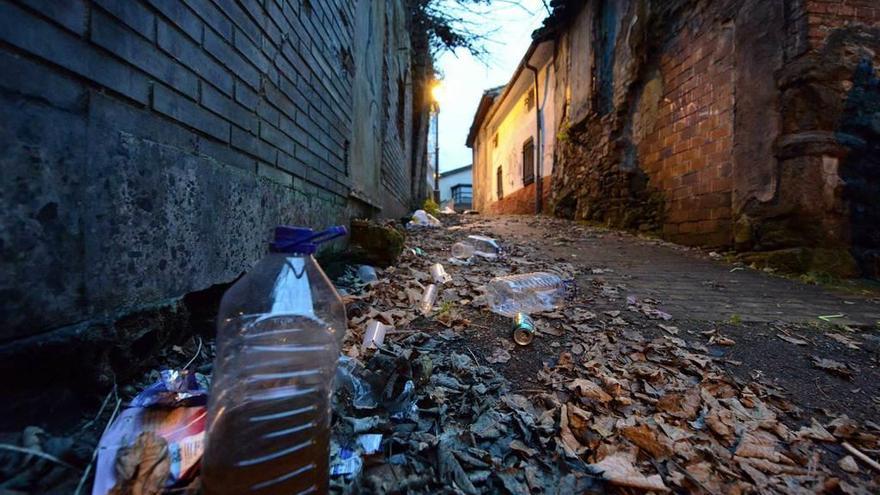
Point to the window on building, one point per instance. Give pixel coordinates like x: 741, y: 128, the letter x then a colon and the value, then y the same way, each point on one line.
x: 528, y: 161
x: 495, y: 140
x: 499, y: 186
x: 530, y: 100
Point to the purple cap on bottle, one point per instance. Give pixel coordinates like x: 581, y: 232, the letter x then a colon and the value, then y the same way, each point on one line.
x: 302, y: 240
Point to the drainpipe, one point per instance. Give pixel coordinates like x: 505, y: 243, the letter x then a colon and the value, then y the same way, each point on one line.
x: 538, y: 182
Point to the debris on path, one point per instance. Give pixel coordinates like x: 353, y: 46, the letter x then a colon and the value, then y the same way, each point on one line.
x: 615, y: 392
x: 611, y: 405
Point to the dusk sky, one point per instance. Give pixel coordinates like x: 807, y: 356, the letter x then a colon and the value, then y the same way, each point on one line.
x: 465, y: 77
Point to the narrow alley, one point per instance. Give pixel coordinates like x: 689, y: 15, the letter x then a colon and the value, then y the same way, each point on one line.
x: 531, y: 247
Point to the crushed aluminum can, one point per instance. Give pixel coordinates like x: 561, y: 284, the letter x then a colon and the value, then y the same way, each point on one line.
x: 523, y: 329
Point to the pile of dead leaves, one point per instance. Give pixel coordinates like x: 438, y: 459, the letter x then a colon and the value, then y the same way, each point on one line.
x: 616, y: 409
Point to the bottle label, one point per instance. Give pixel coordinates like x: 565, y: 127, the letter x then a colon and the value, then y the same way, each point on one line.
x: 292, y: 293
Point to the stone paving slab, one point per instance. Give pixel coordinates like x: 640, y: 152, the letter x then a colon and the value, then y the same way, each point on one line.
x: 689, y: 284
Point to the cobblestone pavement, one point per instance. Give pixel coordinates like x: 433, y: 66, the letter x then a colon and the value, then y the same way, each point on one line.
x: 689, y: 283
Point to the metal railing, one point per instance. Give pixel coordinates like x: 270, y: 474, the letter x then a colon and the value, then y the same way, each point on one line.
x: 462, y: 194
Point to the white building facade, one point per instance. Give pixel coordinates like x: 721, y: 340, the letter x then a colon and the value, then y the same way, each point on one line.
x: 513, y: 137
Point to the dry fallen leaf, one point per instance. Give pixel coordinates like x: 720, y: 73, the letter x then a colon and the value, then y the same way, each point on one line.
x: 144, y: 467
x: 518, y: 446
x: 570, y: 444
x: 816, y: 432
x: 669, y: 328
x: 618, y: 469
x: 721, y: 421
x: 792, y: 340
x: 848, y: 464
x: 451, y: 470
x: 681, y: 405
x: 761, y: 444
x: 649, y: 439
x: 832, y: 366
x: 850, y: 343
x: 589, y: 389
x: 498, y: 355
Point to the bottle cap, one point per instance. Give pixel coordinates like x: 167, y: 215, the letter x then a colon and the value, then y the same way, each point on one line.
x: 302, y: 240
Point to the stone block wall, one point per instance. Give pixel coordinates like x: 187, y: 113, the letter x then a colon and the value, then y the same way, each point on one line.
x: 150, y: 146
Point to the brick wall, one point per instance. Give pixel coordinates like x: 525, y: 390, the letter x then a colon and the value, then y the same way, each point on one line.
x: 153, y: 144
x: 733, y: 123
x: 661, y: 158
x: 685, y: 145
x: 824, y: 16
x: 522, y: 201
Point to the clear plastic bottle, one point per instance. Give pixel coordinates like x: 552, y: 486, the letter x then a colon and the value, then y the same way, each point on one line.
x: 485, y: 246
x: 478, y: 245
x: 429, y: 297
x: 462, y: 250
x: 525, y: 293
x: 438, y: 273
x: 278, y: 338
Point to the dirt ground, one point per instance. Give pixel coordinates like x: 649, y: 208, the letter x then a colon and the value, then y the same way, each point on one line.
x: 758, y: 352
x: 651, y: 328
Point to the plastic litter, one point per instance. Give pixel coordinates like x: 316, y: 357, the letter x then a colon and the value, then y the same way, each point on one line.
x: 367, y: 274
x: 463, y: 250
x: 349, y: 377
x: 370, y: 443
x: 278, y: 339
x: 439, y: 274
x: 345, y: 462
x: 460, y: 261
x: 171, y: 411
x: 476, y: 245
x: 429, y: 297
x: 374, y: 335
x: 523, y: 329
x: 421, y: 218
x: 525, y: 293
x: 486, y: 247
x: 403, y: 404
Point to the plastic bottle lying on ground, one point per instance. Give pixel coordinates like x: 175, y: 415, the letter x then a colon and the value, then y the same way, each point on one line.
x: 279, y: 333
x: 485, y: 246
x: 367, y: 274
x: 525, y: 293
x: 429, y: 297
x: 463, y: 250
x: 438, y: 273
x: 476, y: 245
x: 421, y: 218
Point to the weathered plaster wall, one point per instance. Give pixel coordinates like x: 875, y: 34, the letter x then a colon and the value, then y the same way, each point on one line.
x: 447, y: 182
x: 514, y: 123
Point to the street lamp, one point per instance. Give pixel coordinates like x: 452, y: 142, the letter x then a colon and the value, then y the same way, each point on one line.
x: 436, y: 96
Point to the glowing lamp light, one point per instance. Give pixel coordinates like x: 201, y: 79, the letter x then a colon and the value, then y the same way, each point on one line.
x: 437, y: 92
